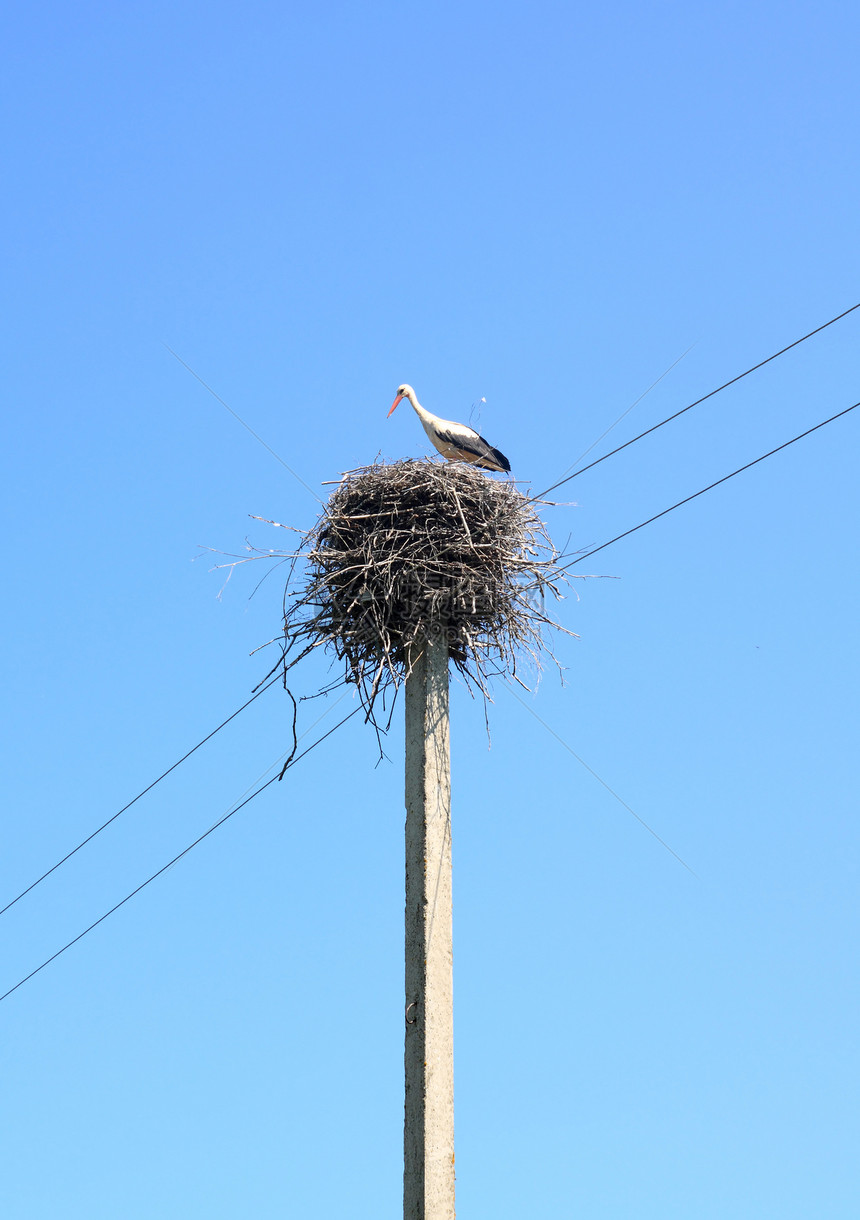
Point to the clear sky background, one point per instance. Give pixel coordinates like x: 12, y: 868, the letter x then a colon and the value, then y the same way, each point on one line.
x: 541, y: 205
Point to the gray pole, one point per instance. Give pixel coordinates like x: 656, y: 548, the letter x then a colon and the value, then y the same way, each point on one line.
x: 428, y: 1138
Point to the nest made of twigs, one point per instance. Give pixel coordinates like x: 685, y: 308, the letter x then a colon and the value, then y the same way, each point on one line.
x: 407, y: 548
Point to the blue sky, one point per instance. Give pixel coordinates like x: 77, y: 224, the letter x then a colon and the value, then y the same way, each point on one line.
x: 543, y: 206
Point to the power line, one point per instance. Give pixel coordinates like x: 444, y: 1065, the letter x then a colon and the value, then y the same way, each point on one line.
x: 633, y: 530
x: 624, y: 414
x: 690, y: 406
x: 238, y: 417
x: 591, y: 771
x: 170, y: 863
x: 710, y: 486
x: 164, y: 869
x: 134, y: 801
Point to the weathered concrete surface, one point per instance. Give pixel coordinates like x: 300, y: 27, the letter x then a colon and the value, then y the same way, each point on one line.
x: 428, y: 1176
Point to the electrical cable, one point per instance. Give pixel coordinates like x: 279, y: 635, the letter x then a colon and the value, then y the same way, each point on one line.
x: 591, y: 771
x: 164, y: 775
x: 238, y: 417
x: 710, y: 486
x: 625, y: 413
x: 170, y: 863
x: 690, y: 406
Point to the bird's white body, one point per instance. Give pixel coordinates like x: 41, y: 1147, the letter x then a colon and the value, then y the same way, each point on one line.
x: 436, y: 428
x: 454, y: 441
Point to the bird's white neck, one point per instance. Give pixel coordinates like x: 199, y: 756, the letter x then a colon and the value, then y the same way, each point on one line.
x: 425, y: 416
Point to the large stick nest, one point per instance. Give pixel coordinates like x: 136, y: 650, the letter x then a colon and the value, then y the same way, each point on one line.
x: 414, y: 547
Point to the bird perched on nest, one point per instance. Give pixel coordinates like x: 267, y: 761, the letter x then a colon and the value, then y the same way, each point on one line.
x: 457, y: 442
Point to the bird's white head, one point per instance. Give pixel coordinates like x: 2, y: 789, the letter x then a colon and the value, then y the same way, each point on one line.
x: 403, y: 391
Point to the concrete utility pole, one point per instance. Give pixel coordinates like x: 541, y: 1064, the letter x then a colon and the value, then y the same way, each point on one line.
x: 428, y: 1174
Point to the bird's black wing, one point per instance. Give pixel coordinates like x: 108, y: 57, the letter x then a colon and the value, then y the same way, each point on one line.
x: 487, y: 456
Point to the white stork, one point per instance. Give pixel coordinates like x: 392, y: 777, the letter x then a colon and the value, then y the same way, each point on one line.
x: 456, y: 442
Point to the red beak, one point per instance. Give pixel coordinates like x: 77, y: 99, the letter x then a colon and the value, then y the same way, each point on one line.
x: 398, y: 399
